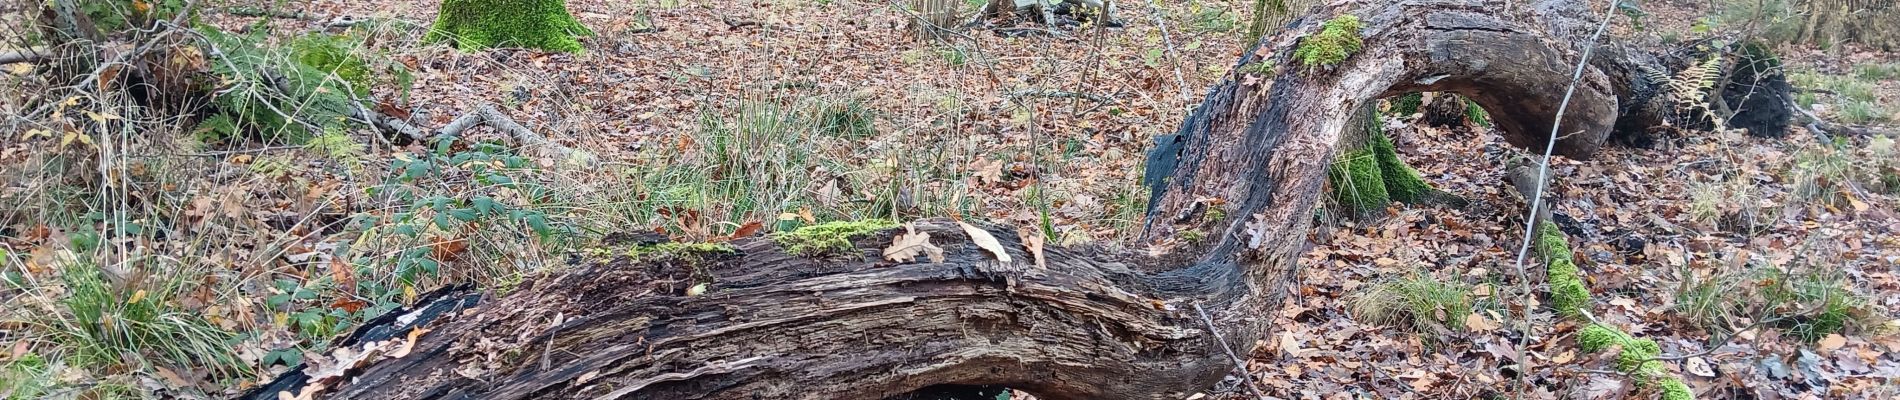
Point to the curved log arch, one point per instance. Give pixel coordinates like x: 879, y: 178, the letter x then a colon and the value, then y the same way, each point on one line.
x: 1092, y: 324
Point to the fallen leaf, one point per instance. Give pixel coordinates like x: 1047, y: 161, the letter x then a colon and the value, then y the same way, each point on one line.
x: 1033, y: 242
x: 172, y: 377
x: 1832, y: 341
x: 1564, y: 357
x: 414, y: 333
x: 1699, y: 367
x: 907, y: 246
x: 1478, y: 323
x: 308, y: 392
x: 983, y: 239
x: 749, y: 229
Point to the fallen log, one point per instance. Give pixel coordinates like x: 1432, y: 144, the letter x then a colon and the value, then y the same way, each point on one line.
x: 769, y: 317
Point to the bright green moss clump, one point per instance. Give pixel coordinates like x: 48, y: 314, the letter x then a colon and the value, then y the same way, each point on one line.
x: 1673, y: 389
x: 535, y: 24
x: 1337, y: 39
x: 1551, y: 243
x: 1364, y: 180
x: 1567, y: 292
x: 1358, y: 182
x: 829, y: 237
x: 1638, y: 356
x: 1401, y: 181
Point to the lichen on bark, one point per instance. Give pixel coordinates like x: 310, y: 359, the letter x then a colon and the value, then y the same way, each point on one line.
x: 536, y: 24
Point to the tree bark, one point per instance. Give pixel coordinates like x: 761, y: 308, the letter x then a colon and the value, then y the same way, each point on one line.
x: 1246, y: 168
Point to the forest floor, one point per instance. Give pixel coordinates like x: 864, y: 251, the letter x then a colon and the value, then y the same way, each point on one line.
x: 715, y: 119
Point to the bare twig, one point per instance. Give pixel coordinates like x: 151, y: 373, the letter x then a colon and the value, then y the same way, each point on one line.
x: 1537, y: 198
x: 1061, y: 94
x: 1241, y: 366
x: 1154, y: 11
x: 482, y: 115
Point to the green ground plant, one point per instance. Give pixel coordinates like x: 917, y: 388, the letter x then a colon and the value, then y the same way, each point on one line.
x: 1417, y: 300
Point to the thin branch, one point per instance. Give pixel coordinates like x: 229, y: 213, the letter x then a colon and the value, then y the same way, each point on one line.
x: 1240, y: 366
x: 1537, y: 198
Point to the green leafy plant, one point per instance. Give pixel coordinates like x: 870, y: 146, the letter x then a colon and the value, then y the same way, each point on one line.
x: 268, y: 93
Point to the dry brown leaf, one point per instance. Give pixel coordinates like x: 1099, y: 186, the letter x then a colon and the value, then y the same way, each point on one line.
x: 1478, y: 323
x: 407, y: 346
x: 308, y: 392
x: 1564, y: 357
x: 1033, y: 242
x: 983, y: 239
x: 907, y: 246
x: 1832, y: 341
x: 749, y: 229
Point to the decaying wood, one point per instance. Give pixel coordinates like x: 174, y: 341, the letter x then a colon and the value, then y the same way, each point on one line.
x: 482, y: 115
x: 30, y: 54
x: 1092, y: 324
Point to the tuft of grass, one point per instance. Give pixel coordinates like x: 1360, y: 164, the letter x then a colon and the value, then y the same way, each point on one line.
x: 847, y: 119
x: 1820, y: 173
x: 1815, y: 304
x: 1418, y: 300
x: 99, y: 324
x: 1808, y: 305
x: 1877, y: 72
x: 1863, y: 112
x: 1476, y: 114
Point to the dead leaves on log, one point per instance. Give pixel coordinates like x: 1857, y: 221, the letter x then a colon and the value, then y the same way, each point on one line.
x: 340, y: 362
x: 983, y: 239
x: 907, y: 246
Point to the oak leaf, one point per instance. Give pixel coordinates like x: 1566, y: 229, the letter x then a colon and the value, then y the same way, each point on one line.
x: 910, y: 244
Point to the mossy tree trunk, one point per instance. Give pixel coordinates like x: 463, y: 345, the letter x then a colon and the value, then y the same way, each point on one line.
x: 535, y: 24
x: 1248, y: 168
x: 1368, y: 174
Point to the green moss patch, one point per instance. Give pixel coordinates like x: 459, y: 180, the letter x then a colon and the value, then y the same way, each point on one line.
x: 1358, y: 182
x: 535, y: 24
x: 828, y: 238
x: 1337, y: 39
x: 1364, y: 180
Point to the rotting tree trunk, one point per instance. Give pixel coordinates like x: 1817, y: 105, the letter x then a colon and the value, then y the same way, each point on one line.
x: 1089, y: 325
